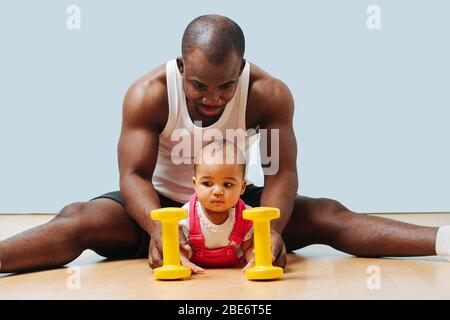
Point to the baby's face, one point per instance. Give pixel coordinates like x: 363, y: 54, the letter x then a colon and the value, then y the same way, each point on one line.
x: 219, y: 186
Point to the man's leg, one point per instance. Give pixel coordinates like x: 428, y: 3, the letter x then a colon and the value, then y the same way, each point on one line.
x: 326, y: 221
x: 102, y: 225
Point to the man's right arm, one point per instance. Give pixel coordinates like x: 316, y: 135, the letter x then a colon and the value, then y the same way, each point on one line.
x: 138, y: 152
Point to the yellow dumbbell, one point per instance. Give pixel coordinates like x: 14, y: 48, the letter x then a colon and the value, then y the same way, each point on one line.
x: 263, y: 269
x: 171, y: 268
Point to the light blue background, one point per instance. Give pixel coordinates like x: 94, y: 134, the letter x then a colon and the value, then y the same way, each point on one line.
x: 372, y: 107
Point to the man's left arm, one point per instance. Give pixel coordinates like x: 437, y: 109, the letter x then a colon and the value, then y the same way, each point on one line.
x: 278, y: 144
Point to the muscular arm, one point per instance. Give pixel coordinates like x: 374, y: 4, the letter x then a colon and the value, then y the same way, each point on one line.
x: 138, y: 150
x: 280, y: 187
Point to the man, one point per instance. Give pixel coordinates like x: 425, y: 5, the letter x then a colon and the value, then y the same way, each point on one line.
x: 213, y: 85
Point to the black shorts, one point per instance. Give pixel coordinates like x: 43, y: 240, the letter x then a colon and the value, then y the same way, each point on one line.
x: 251, y: 196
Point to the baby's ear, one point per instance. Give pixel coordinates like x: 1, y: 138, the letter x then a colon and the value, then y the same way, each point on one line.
x: 244, y: 185
x: 193, y: 181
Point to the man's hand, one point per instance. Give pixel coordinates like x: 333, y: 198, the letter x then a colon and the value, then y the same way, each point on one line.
x: 279, y: 256
x: 155, y: 257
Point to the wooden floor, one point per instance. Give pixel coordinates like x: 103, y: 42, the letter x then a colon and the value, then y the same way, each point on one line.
x: 315, y: 272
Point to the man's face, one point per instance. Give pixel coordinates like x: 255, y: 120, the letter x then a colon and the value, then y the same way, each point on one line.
x: 209, y: 87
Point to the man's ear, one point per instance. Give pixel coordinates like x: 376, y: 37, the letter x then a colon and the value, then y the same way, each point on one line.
x: 180, y: 64
x: 242, y: 66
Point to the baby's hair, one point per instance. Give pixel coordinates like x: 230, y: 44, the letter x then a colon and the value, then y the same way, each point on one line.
x: 218, y: 149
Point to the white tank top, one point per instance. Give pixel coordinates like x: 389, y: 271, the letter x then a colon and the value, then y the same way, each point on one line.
x: 173, y: 172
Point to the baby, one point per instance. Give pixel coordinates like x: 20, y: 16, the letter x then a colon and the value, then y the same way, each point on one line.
x: 217, y: 234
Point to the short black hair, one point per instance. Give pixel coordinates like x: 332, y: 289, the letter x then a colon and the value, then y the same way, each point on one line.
x: 215, y: 36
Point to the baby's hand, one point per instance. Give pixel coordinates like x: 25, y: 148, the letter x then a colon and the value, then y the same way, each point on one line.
x: 249, y: 254
x: 251, y: 263
x: 185, y: 262
x: 185, y: 254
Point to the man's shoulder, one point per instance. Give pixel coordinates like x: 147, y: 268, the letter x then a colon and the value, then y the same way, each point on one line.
x: 267, y: 94
x: 146, y: 98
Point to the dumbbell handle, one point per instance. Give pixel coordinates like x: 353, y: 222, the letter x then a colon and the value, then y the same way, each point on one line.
x: 171, y: 252
x: 263, y: 255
